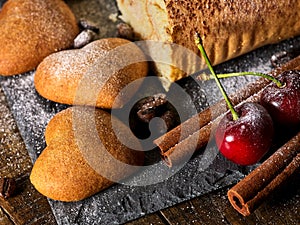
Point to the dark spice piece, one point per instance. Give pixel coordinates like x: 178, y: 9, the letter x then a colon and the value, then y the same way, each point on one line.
x: 283, y: 57
x: 125, y: 31
x: 83, y: 38
x: 89, y: 31
x: 7, y: 187
x: 151, y: 106
x: 85, y: 24
x: 147, y: 109
x: 170, y: 120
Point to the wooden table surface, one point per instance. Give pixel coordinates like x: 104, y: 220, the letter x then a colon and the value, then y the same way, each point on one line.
x: 27, y: 206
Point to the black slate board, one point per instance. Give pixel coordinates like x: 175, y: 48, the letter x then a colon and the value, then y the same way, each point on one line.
x: 122, y: 203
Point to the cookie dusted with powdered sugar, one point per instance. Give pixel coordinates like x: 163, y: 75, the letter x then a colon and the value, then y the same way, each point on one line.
x: 32, y: 30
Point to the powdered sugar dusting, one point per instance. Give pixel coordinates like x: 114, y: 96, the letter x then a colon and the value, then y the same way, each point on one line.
x: 57, y: 25
x: 31, y: 30
x: 31, y: 110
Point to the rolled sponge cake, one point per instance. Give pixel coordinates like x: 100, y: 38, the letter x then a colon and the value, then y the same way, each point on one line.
x: 228, y: 28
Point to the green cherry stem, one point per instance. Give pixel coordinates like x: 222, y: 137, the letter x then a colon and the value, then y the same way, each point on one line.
x: 266, y: 76
x: 203, y: 53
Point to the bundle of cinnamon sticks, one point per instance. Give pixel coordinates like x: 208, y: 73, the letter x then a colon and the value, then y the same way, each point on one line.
x: 194, y: 134
x: 249, y: 193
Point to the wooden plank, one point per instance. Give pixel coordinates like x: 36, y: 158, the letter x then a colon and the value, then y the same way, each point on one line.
x: 197, y: 211
x: 4, y: 219
x: 280, y: 209
x: 283, y: 207
x: 27, y: 206
x: 150, y: 219
x: 220, y: 202
x: 214, y: 208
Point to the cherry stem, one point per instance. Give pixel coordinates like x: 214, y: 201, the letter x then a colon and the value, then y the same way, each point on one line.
x: 203, y: 53
x: 269, y: 77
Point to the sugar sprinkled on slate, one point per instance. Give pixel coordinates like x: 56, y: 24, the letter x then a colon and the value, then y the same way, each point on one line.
x: 31, y: 111
x: 11, y: 143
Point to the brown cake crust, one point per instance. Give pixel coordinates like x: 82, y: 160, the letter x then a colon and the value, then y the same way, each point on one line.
x: 231, y: 28
x: 31, y: 30
x: 228, y: 28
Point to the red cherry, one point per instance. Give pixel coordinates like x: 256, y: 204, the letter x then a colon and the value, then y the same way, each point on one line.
x: 246, y: 140
x: 283, y: 103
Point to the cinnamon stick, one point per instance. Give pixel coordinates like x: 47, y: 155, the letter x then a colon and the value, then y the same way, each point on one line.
x: 182, y: 141
x: 250, y: 192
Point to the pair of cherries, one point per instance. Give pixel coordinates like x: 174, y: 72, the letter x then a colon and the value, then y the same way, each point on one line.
x: 247, y: 139
x: 245, y: 134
